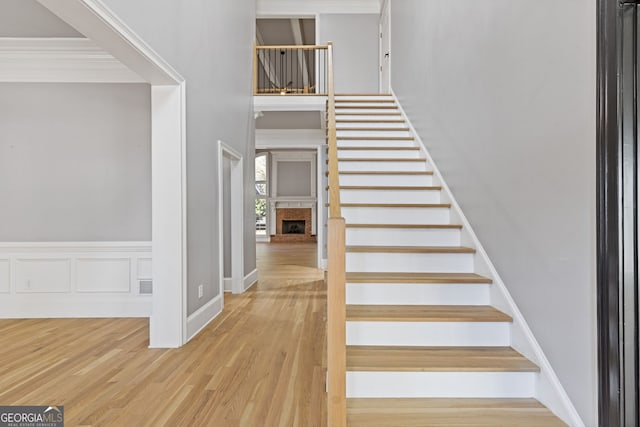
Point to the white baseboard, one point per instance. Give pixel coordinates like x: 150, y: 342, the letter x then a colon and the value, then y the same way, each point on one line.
x: 250, y: 279
x: 74, y: 279
x: 203, y: 316
x: 227, y: 284
x: 549, y: 390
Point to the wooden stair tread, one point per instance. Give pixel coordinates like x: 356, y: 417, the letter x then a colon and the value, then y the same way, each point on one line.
x: 367, y: 277
x: 378, y: 148
x: 375, y: 138
x: 366, y: 107
x: 437, y: 359
x: 421, y: 412
x: 411, y: 226
x: 425, y: 313
x: 378, y: 159
x: 387, y: 113
x: 390, y: 100
x: 370, y: 121
x: 396, y: 205
x: 411, y: 249
x: 385, y: 172
x: 374, y: 129
x: 392, y: 187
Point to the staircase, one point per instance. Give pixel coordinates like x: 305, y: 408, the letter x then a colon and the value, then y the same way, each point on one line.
x: 424, y: 345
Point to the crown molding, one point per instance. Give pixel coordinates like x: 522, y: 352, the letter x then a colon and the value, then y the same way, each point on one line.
x: 266, y: 8
x: 60, y: 60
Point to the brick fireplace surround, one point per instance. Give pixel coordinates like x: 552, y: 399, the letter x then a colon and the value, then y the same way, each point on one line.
x: 293, y: 214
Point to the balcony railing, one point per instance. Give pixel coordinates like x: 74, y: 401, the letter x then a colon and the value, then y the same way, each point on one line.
x: 291, y: 70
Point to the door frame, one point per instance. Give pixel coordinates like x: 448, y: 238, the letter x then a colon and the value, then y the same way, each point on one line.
x: 384, y: 12
x: 236, y: 220
x: 613, y: 400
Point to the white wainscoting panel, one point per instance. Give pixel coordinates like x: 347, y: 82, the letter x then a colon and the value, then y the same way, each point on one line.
x: 5, y: 276
x: 43, y: 275
x: 103, y: 275
x: 74, y: 279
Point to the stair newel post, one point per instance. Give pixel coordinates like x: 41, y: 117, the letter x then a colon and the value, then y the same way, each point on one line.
x: 336, y: 321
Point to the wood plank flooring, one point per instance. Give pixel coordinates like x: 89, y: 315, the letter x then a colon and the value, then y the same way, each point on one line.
x: 260, y: 363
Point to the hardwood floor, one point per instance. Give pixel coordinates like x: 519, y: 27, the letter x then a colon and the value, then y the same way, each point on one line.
x: 260, y: 363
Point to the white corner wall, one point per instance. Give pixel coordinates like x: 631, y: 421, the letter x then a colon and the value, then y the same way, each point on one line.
x: 503, y: 95
x: 355, y: 49
x: 210, y: 44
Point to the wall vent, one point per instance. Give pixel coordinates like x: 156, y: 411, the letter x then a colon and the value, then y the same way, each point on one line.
x: 146, y: 287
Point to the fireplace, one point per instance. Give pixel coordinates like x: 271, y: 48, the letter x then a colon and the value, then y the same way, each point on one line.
x: 293, y: 225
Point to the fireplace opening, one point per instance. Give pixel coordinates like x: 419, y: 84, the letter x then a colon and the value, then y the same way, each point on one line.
x: 293, y: 227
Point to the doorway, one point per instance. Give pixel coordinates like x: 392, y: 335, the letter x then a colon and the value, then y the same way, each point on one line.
x: 617, y: 146
x: 230, y: 223
x: 385, y: 49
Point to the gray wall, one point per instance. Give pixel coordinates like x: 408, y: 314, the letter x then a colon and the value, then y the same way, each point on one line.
x: 355, y: 42
x: 210, y: 43
x: 75, y: 162
x: 294, y: 179
x: 28, y: 18
x: 503, y: 95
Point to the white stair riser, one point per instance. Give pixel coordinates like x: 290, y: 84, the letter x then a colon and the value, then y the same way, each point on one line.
x: 410, y: 262
x: 403, y: 236
x: 390, y: 196
x: 386, y: 180
x: 368, y: 124
x: 382, y: 166
x: 379, y: 154
x: 470, y: 334
x: 341, y: 104
x: 363, y: 98
x: 441, y: 384
x: 362, y: 215
x: 365, y: 110
x: 373, y: 133
x: 417, y: 293
x: 380, y: 115
x: 375, y: 143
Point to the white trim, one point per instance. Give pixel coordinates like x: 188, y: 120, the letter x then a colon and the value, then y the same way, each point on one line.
x: 167, y: 327
x: 98, y: 23
x: 203, y: 316
x: 227, y: 284
x: 60, y: 60
x: 168, y: 324
x: 69, y: 279
x: 322, y: 183
x: 287, y: 8
x: 549, y: 390
x: 289, y: 103
x: 237, y: 217
x: 250, y: 279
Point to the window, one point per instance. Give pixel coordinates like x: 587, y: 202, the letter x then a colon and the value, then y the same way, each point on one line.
x: 262, y: 192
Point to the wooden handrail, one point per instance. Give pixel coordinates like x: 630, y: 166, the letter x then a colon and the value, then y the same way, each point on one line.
x: 336, y: 273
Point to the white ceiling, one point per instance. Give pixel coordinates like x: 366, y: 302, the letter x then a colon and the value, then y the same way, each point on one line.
x: 28, y: 18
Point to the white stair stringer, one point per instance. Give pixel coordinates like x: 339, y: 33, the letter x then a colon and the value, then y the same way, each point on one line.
x: 433, y: 214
